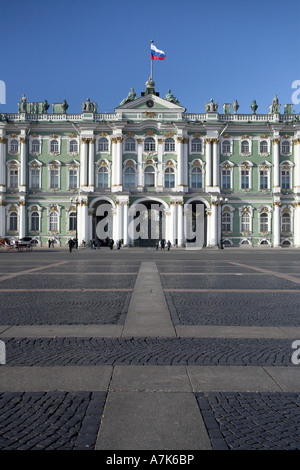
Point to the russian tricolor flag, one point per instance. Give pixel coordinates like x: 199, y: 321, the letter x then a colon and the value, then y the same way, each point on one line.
x: 156, y: 53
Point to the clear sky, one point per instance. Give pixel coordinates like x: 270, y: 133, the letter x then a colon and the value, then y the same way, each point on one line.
x: 75, y: 49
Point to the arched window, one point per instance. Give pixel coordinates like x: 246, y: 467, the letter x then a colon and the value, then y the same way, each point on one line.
x: 149, y: 176
x: 285, y: 148
x: 226, y: 146
x: 103, y: 145
x: 53, y: 221
x: 13, y: 221
x: 130, y: 144
x: 196, y: 145
x: 286, y: 222
x: 14, y: 146
x: 35, y: 221
x: 196, y: 176
x: 35, y: 146
x: 264, y: 222
x: 54, y: 147
x: 169, y: 178
x: 226, y: 222
x: 149, y: 144
x: 245, y: 146
x: 169, y: 145
x: 72, y: 221
x: 245, y: 222
x: 103, y: 177
x: 129, y: 177
x: 263, y: 147
x: 73, y: 146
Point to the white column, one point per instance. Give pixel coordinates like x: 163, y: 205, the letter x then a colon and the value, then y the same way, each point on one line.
x: 214, y: 224
x: 22, y: 186
x: 208, y: 163
x: 185, y: 165
x: 297, y: 224
x: 276, y: 224
x: 83, y: 162
x: 2, y: 164
x: 140, y: 165
x: 276, y: 178
x: 208, y: 227
x: 216, y: 162
x: 125, y: 224
x: 91, y: 166
x: 84, y: 223
x: 180, y: 224
x: 160, y: 178
x: 296, y: 171
x: 173, y: 223
x: 180, y: 164
x: 117, y: 163
x: 22, y: 219
x: 2, y: 218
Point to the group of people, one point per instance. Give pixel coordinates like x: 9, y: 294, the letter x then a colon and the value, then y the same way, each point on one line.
x: 163, y: 244
x: 95, y: 244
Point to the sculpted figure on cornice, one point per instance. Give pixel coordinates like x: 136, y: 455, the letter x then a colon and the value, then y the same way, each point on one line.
x: 130, y: 97
x: 211, y: 107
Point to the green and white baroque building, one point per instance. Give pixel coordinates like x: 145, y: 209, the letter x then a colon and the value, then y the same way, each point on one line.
x: 240, y: 172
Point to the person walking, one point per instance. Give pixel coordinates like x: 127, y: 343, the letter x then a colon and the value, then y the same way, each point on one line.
x: 169, y: 245
x: 70, y: 243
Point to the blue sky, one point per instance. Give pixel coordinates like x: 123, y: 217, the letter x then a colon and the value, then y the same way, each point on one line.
x: 71, y: 49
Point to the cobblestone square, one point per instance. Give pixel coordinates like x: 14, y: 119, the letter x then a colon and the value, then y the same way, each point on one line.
x: 226, y: 302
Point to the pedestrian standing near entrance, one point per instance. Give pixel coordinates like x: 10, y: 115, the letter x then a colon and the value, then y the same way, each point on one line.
x: 169, y: 245
x: 49, y: 243
x: 70, y: 243
x: 156, y: 246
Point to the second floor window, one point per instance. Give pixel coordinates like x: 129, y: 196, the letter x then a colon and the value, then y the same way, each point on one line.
x: 226, y: 222
x: 263, y: 179
x: 245, y: 222
x: 245, y: 179
x: 169, y: 178
x: 286, y: 222
x: 53, y: 222
x: 13, y: 178
x: 285, y: 179
x: 54, y: 178
x: 35, y: 222
x: 149, y: 176
x: 103, y: 177
x: 73, y: 176
x: 264, y: 222
x: 129, y: 177
x: 196, y: 177
x: 13, y: 221
x: 35, y: 177
x: 226, y: 178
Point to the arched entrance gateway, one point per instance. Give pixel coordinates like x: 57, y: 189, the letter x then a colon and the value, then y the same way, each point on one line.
x: 149, y: 220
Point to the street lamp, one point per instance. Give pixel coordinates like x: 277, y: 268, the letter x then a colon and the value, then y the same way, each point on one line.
x: 221, y: 202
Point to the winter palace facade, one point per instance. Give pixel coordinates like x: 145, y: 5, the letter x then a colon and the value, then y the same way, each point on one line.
x: 137, y: 173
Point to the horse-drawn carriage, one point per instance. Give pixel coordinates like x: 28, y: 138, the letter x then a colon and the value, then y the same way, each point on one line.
x: 21, y: 245
x: 5, y: 244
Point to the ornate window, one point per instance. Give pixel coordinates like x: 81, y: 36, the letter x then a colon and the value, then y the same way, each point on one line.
x: 72, y: 221
x: 286, y: 175
x: 263, y: 147
x: 263, y: 179
x: 103, y: 145
x: 149, y: 144
x: 35, y: 221
x: 245, y: 175
x: 245, y: 148
x: 54, y: 175
x: 285, y: 147
x: 13, y: 221
x: 196, y: 177
x: 226, y: 147
x: 102, y: 177
x: 13, y: 178
x: 286, y: 226
x: 149, y: 176
x: 129, y: 177
x: 54, y: 146
x: 264, y: 222
x: 226, y: 221
x: 169, y: 177
x: 53, y: 221
x: 14, y: 146
x: 35, y: 146
x: 73, y: 146
x: 196, y: 145
x: 35, y: 174
x: 129, y: 144
x: 245, y: 222
x: 169, y: 145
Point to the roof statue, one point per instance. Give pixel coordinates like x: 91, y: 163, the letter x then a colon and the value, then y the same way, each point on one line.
x: 275, y: 106
x: 130, y: 97
x: 211, y: 107
x: 235, y: 106
x: 88, y: 106
x: 170, y: 97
